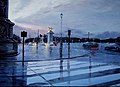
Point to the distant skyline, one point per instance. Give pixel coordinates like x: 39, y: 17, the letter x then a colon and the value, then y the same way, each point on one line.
x: 94, y: 16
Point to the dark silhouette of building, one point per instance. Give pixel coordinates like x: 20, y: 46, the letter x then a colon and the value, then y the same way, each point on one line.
x: 8, y: 46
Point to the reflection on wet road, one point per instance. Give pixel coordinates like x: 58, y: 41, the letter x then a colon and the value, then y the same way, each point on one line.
x: 97, y: 68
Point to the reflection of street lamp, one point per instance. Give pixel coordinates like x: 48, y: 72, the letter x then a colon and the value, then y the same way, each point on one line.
x: 61, y: 15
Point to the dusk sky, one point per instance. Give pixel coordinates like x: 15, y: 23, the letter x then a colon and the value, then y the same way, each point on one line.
x: 86, y: 15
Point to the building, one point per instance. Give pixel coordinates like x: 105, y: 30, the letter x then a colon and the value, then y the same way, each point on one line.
x: 50, y: 36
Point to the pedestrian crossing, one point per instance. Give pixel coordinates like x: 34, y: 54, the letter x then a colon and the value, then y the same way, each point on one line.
x: 72, y: 73
x: 68, y: 72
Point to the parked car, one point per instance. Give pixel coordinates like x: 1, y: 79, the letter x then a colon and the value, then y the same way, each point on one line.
x: 114, y: 47
x: 91, y: 45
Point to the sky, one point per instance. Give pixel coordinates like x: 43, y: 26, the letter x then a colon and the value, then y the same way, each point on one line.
x: 85, y: 15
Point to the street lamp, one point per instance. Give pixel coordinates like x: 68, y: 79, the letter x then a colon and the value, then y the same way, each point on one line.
x: 61, y: 15
x: 61, y: 61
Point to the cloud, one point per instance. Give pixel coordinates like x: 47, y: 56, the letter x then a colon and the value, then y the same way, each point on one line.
x: 88, y: 15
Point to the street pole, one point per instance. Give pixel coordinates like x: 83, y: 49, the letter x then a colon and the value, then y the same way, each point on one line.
x: 23, y: 34
x: 69, y: 33
x: 61, y: 44
x: 23, y: 51
x: 68, y: 61
x: 88, y: 36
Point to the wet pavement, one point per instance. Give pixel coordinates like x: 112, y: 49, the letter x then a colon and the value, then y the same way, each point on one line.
x: 92, y: 70
x: 70, y: 72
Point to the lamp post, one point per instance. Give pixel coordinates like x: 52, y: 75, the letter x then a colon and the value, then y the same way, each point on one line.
x: 61, y: 61
x: 61, y: 15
